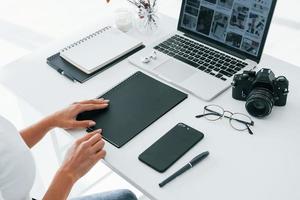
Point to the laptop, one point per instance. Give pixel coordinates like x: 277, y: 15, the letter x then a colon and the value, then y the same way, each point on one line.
x: 215, y: 39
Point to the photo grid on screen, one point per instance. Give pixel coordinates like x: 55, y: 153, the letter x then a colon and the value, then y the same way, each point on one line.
x: 236, y: 23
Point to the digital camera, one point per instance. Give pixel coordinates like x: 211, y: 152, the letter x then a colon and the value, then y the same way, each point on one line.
x: 261, y: 91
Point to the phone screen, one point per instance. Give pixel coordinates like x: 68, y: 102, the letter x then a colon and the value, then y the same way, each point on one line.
x: 170, y: 147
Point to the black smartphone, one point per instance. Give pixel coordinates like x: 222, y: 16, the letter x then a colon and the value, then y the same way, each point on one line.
x: 170, y: 147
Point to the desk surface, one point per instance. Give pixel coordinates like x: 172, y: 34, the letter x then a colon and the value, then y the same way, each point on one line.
x: 240, y: 166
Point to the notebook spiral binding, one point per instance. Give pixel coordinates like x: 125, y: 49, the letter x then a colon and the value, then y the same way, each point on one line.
x: 86, y: 38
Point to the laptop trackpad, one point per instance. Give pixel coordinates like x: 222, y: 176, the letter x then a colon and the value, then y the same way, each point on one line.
x: 175, y: 71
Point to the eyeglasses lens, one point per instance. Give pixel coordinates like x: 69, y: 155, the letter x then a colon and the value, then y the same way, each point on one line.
x: 213, y: 112
x: 237, y: 121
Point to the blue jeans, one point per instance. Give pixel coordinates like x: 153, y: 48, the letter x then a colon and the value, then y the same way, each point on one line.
x: 113, y: 195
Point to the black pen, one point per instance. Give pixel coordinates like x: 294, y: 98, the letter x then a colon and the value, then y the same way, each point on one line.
x: 62, y: 72
x: 188, y: 166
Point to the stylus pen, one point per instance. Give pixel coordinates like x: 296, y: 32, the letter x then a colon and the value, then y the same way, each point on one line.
x: 188, y: 166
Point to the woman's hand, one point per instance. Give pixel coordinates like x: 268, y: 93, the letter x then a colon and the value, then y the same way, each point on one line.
x: 66, y: 118
x: 83, y: 155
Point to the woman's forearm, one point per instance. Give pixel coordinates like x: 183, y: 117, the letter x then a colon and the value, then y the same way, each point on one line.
x: 60, y: 186
x: 65, y: 119
x: 36, y: 132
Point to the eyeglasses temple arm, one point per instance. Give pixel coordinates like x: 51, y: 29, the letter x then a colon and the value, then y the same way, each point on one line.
x: 241, y: 121
x: 203, y: 115
x: 249, y: 130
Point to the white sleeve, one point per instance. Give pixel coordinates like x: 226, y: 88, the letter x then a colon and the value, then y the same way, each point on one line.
x: 1, y: 198
x: 15, y: 182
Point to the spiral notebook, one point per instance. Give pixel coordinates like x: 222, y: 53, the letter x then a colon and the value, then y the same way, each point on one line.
x: 71, y: 72
x: 99, y: 49
x: 134, y: 105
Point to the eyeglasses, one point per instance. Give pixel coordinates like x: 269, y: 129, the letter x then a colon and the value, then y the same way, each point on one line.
x: 238, y: 121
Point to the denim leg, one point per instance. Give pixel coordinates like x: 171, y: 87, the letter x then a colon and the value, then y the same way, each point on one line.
x: 113, y: 195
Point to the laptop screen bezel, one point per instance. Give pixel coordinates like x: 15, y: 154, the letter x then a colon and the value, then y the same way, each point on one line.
x: 223, y: 47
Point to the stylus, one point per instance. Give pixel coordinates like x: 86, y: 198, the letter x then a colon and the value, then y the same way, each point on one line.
x: 188, y: 166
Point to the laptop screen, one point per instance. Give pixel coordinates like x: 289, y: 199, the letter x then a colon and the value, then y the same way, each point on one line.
x: 238, y: 26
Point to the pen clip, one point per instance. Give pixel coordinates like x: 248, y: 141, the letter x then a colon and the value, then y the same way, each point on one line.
x: 62, y: 72
x: 198, y: 158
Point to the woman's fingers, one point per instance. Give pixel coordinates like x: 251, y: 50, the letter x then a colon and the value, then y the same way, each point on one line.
x: 93, y: 101
x: 79, y: 108
x: 83, y: 124
x: 86, y: 137
x: 100, y: 155
x: 81, y: 157
x: 94, y: 139
x: 98, y: 146
x: 89, y: 107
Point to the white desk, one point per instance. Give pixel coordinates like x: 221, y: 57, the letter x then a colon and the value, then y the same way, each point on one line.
x: 263, y: 166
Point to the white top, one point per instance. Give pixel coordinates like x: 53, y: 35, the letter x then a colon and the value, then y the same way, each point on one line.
x: 17, y: 169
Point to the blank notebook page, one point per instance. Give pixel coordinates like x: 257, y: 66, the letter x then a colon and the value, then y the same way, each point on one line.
x: 99, y: 49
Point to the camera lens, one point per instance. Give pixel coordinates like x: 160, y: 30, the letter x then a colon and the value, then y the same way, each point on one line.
x: 260, y: 102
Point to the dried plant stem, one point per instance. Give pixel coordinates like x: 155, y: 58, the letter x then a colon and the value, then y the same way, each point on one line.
x: 146, y: 12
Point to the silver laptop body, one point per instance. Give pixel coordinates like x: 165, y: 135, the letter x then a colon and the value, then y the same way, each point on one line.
x: 215, y: 40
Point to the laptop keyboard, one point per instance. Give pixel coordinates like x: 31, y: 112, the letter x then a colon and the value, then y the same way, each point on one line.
x: 201, y: 57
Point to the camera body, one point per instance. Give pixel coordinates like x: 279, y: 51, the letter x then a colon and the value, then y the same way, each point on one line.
x: 261, y: 91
